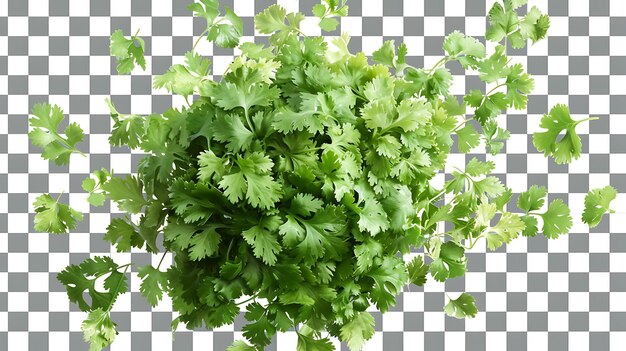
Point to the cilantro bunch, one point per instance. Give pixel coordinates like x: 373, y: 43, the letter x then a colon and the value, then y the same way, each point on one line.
x: 290, y: 187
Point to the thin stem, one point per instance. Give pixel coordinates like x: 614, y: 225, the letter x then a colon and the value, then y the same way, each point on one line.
x: 248, y: 300
x: 59, y: 197
x: 461, y: 124
x: 162, y: 257
x: 66, y: 144
x: 443, y: 60
x: 136, y: 33
x: 230, y: 246
x: 494, y: 88
x: 587, y: 119
x: 119, y: 283
x: 248, y: 120
x: 206, y: 31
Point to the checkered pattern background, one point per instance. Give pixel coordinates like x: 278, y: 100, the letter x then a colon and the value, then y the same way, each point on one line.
x: 565, y: 294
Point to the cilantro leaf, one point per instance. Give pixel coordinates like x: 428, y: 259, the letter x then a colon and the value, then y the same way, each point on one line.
x: 417, y: 271
x: 224, y: 34
x: 127, y: 192
x: 184, y: 79
x: 461, y: 307
x: 451, y: 262
x: 240, y: 346
x: 568, y: 146
x: 506, y: 230
x: 128, y: 52
x: 556, y: 220
x: 123, y: 234
x: 253, y: 180
x: 98, y: 329
x: 389, y: 278
x: 262, y: 237
x: 54, y: 217
x: 387, y: 56
x: 533, y: 199
x: 531, y: 225
x: 46, y: 134
x: 82, y: 279
x: 357, y: 331
x: 597, y: 202
x: 153, y: 284
x: 466, y: 50
x: 307, y: 343
x: 468, y: 138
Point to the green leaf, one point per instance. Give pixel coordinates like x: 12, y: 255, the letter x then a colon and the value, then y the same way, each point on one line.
x: 451, y: 262
x: 556, y: 220
x: 564, y: 148
x: 495, y: 67
x: 208, y: 9
x: 466, y: 50
x: 127, y: 192
x: 597, y: 202
x: 462, y: 307
x: 469, y: 138
x: 128, y: 52
x: 417, y: 271
x: 127, y: 130
x: 98, y: 330
x: 240, y: 346
x: 81, y: 279
x: 263, y: 238
x: 153, y: 284
x: 54, y: 217
x: 253, y: 180
x: 373, y: 217
x: 531, y: 225
x: 389, y: 278
x: 477, y: 168
x: 272, y: 19
x: 123, y: 235
x: 46, y: 134
x: 533, y: 199
x: 386, y: 54
x: 307, y: 343
x: 204, y: 244
x: 507, y: 229
x: 231, y: 130
x: 226, y: 35
x: 357, y: 331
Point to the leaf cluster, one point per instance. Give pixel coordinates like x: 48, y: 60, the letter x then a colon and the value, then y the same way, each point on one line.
x: 289, y: 187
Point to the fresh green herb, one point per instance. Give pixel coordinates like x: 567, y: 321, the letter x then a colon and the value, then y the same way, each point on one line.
x: 292, y: 185
x: 128, y: 52
x: 45, y: 134
x: 54, y: 217
x: 568, y: 146
x: 597, y: 203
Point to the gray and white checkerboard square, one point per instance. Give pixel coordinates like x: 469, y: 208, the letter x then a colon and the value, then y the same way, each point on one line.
x: 533, y: 294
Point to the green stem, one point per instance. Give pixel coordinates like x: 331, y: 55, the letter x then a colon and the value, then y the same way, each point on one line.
x: 119, y: 283
x: 62, y: 140
x: 443, y: 60
x: 494, y: 88
x: 248, y: 120
x: 248, y: 300
x: 206, y: 31
x: 230, y: 246
x: 59, y: 197
x: 461, y: 124
x: 162, y: 257
x: 587, y: 119
x: 136, y: 33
